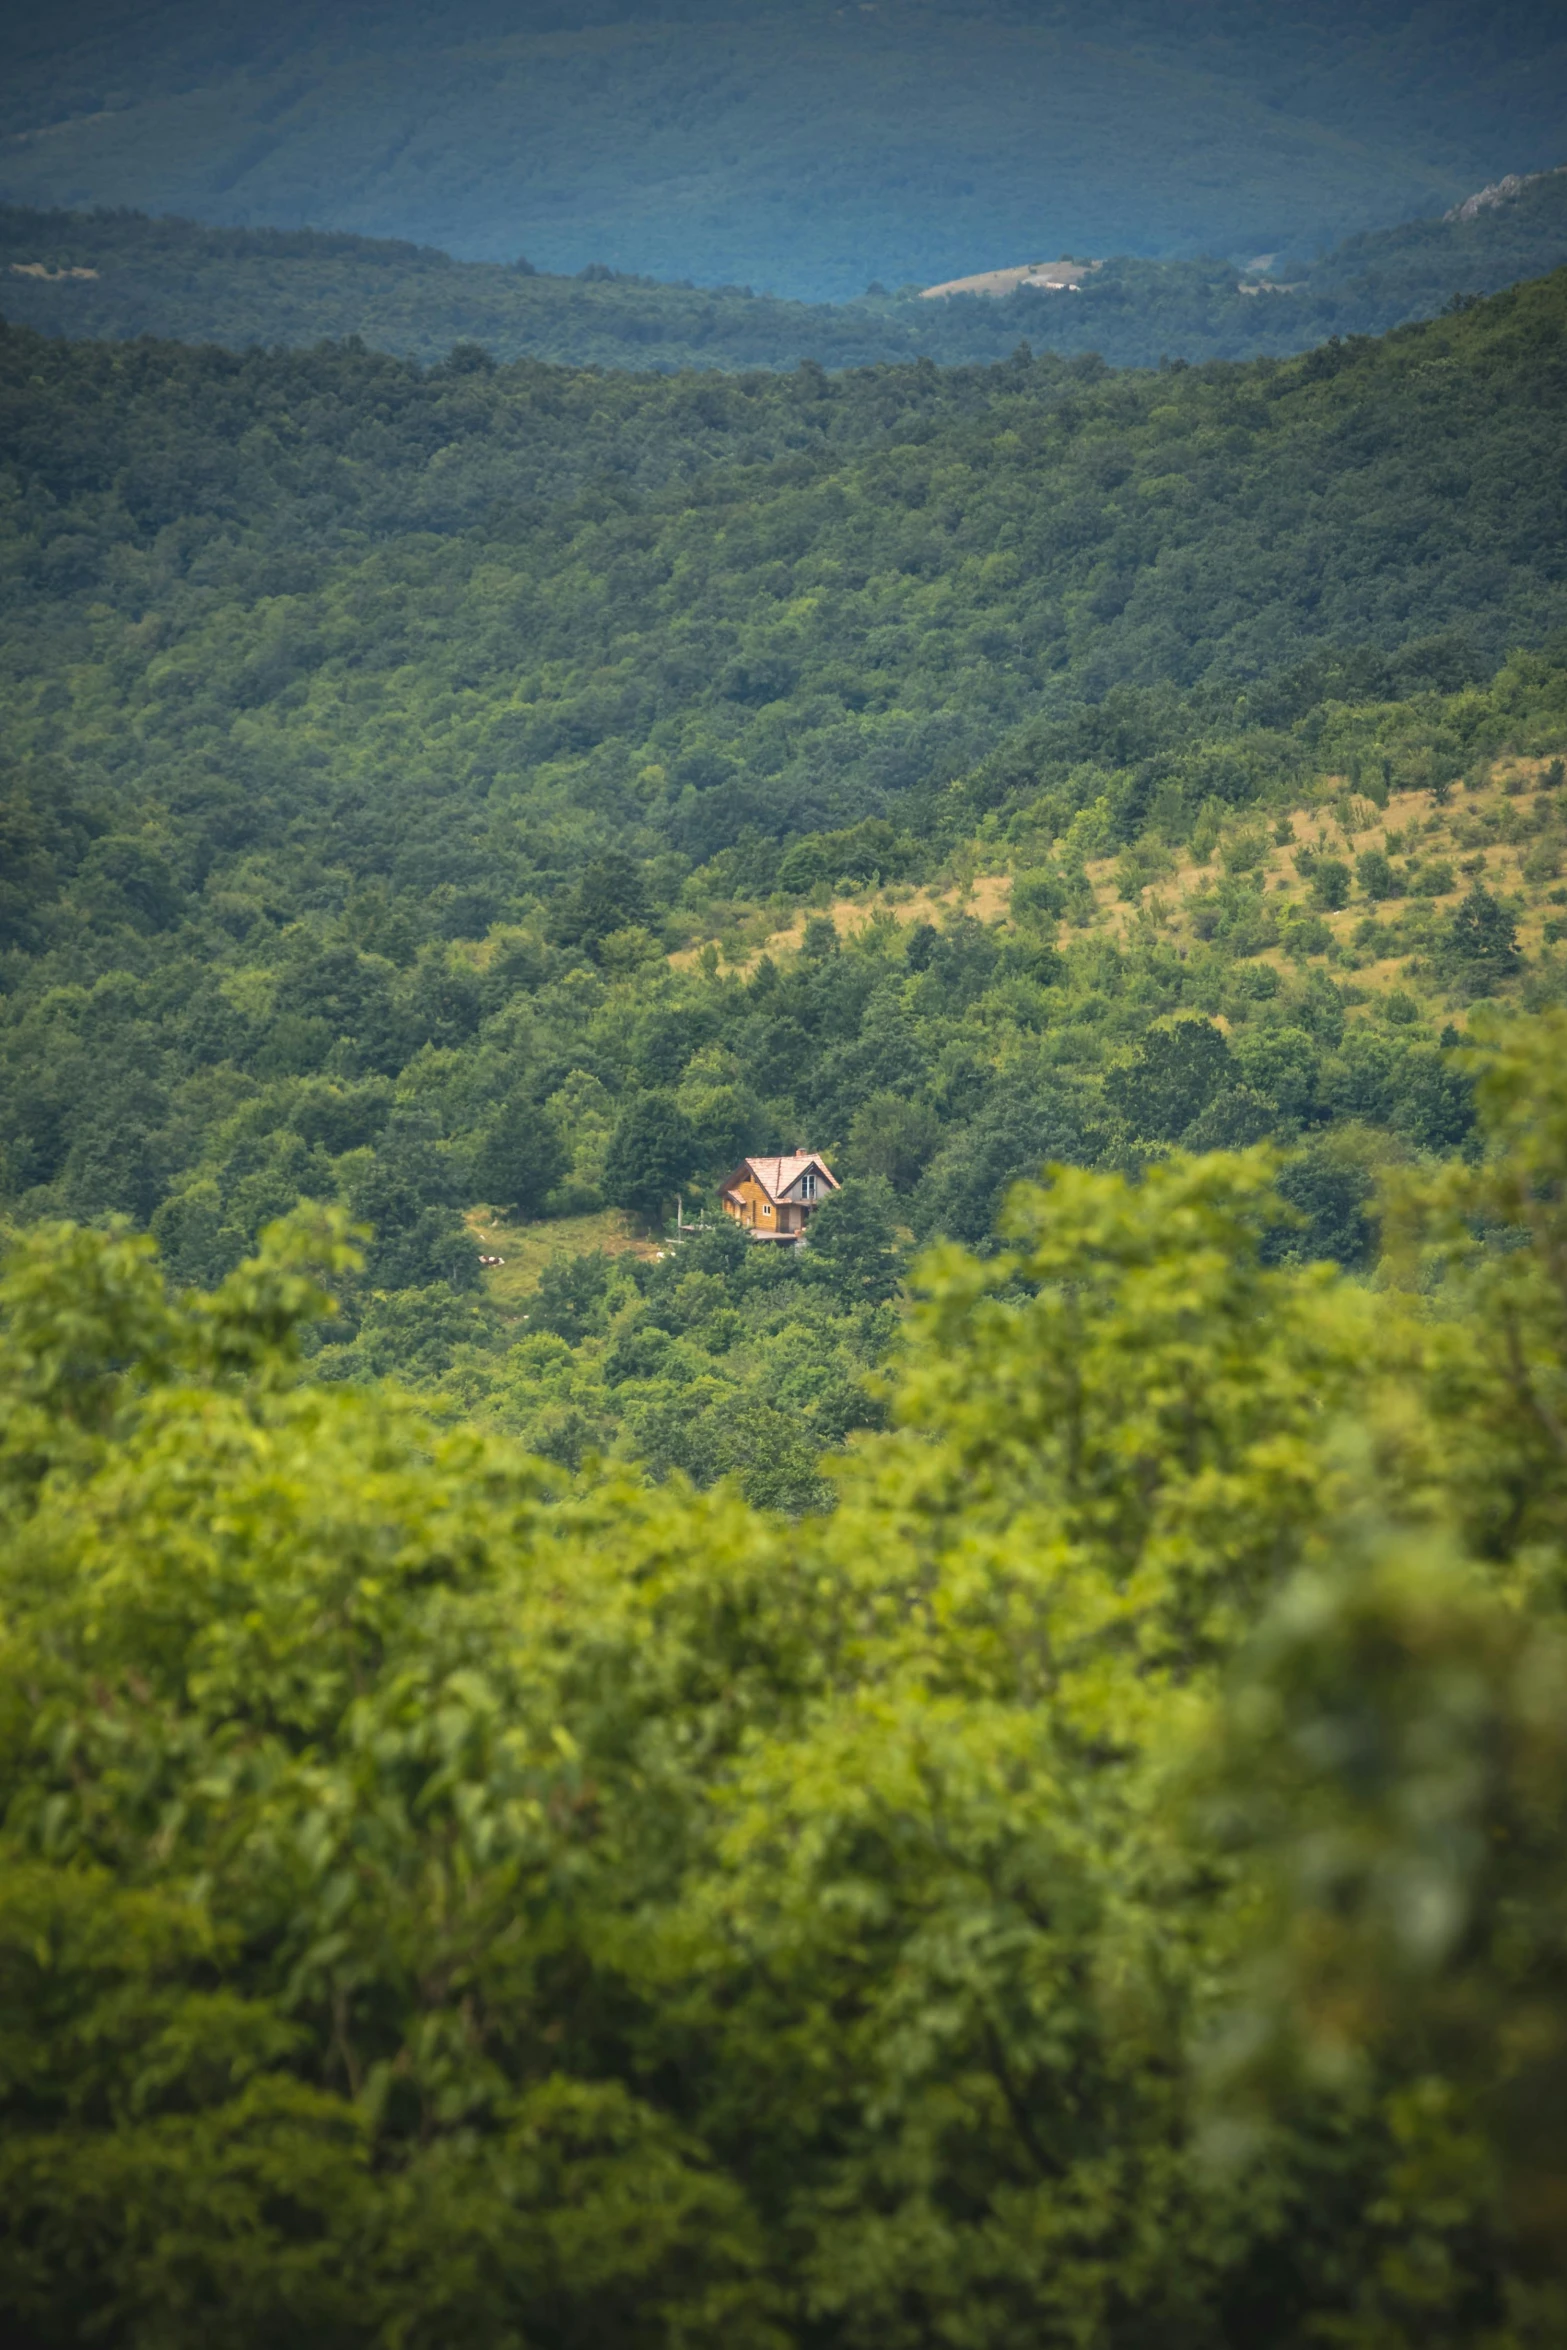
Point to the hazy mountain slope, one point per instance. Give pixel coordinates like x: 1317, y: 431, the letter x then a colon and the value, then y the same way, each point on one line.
x: 122, y: 274
x: 810, y: 148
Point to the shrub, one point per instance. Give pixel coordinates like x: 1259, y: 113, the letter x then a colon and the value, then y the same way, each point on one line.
x: 1330, y: 884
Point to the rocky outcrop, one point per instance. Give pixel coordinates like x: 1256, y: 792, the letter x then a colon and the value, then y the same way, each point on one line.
x: 1504, y: 191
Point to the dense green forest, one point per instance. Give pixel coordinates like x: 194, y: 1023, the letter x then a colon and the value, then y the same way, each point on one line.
x: 993, y: 1782
x: 1102, y: 1883
x: 121, y: 274
x: 493, y: 797
x: 807, y: 147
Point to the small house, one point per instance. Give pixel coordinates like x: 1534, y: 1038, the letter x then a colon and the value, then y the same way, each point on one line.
x: 775, y: 1199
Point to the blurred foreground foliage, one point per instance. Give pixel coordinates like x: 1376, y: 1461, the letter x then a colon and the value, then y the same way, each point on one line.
x: 1102, y: 1883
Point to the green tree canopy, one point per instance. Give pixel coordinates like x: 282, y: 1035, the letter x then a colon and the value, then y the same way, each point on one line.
x: 441, y: 1901
x: 1482, y: 941
x: 520, y: 1158
x: 851, y: 1247
x: 1171, y: 1079
x: 652, y: 1153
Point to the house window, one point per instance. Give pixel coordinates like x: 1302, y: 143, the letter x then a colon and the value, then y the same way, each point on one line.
x: 808, y: 1187
x: 766, y: 1210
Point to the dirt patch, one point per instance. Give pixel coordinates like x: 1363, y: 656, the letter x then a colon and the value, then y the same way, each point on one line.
x: 51, y: 277
x: 1044, y: 277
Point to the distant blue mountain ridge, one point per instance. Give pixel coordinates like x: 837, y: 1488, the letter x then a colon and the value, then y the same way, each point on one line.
x: 805, y: 147
x: 122, y: 274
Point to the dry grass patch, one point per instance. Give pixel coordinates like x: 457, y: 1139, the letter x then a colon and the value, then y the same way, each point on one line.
x: 1420, y: 828
x: 986, y: 898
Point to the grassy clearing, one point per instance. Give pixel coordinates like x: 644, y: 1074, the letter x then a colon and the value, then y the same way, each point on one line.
x: 528, y: 1248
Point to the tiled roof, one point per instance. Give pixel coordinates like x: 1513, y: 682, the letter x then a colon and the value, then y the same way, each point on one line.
x: 776, y: 1175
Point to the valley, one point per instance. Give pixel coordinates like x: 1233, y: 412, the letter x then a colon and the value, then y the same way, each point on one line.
x: 120, y: 274
x: 809, y: 150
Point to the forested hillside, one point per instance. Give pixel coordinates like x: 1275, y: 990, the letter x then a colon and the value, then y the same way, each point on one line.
x: 809, y: 148
x: 495, y: 797
x: 121, y: 274
x: 1102, y: 1884
x: 572, y: 1781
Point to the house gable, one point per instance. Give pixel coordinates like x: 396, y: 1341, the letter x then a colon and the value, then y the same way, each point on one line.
x: 776, y: 1197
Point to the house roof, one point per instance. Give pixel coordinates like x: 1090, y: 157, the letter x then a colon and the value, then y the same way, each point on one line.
x: 777, y: 1175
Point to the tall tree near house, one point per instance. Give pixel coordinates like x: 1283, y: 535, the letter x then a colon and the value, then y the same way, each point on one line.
x: 652, y: 1154
x: 852, y: 1250
x: 520, y: 1158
